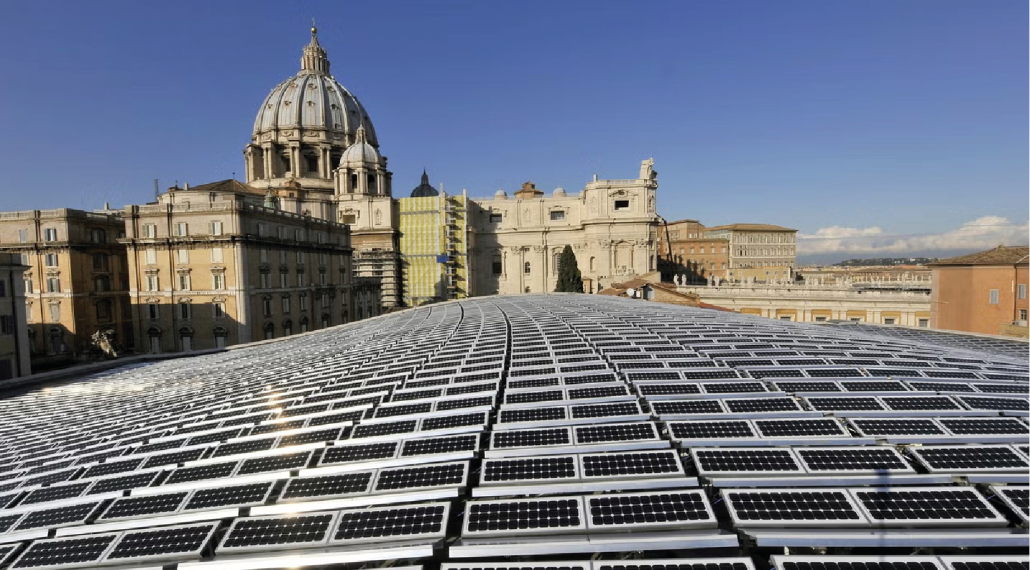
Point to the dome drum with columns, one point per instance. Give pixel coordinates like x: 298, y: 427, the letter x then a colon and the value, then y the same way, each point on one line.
x: 304, y: 127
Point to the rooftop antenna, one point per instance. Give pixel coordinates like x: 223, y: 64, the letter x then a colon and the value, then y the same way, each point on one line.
x: 157, y: 193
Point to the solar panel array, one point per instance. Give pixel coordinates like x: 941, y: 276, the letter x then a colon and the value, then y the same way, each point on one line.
x: 565, y: 431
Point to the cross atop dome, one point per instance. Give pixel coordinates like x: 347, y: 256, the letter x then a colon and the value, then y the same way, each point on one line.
x: 314, y: 59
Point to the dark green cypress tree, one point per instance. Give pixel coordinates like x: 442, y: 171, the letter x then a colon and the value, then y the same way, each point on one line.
x: 570, y: 280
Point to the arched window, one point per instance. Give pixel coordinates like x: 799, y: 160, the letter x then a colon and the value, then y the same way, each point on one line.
x: 326, y: 320
x: 185, y: 339
x: 220, y: 334
x: 372, y: 184
x: 154, y: 335
x: 497, y: 265
x: 287, y: 328
x: 593, y: 262
x: 303, y: 324
x: 353, y: 184
x: 269, y: 331
x: 57, y: 345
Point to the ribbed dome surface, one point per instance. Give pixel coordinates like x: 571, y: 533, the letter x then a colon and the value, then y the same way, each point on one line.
x: 361, y: 151
x: 313, y: 100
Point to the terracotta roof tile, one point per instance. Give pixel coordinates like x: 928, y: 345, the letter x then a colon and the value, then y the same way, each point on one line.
x: 1001, y: 255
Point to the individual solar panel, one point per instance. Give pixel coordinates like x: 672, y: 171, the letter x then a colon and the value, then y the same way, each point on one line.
x: 989, y: 403
x: 733, y: 387
x: 526, y: 415
x: 807, y: 427
x: 364, y: 452
x: 761, y: 461
x: 1017, y: 498
x: 302, y: 488
x: 531, y: 438
x: 247, y: 446
x: 927, y: 506
x: 1003, y: 388
x: 47, y: 494
x: 896, y: 426
x: 970, y: 459
x: 8, y: 521
x: 607, y: 433
x: 57, y: 517
x: 844, y: 404
x: 67, y: 552
x: 759, y: 405
x: 388, y: 428
x: 422, y: 476
x: 660, y: 463
x: 111, y: 484
x: 278, y: 532
x: 111, y: 468
x: 173, y: 458
x: 711, y: 429
x: 685, y: 407
x: 919, y: 403
x: 872, y: 386
x: 794, y: 387
x: 202, y: 472
x: 243, y: 495
x: 530, y: 469
x: 986, y: 426
x: 524, y: 516
x: 284, y: 462
x: 668, y: 509
x: 784, y: 508
x: 392, y: 523
x: 941, y: 386
x: 852, y: 459
x: 614, y: 409
x: 986, y: 562
x: 174, y: 542
x: 855, y: 562
x: 453, y: 421
x: 131, y: 507
x: 438, y: 445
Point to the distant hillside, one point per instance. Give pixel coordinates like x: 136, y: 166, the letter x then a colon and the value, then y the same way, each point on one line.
x: 886, y: 261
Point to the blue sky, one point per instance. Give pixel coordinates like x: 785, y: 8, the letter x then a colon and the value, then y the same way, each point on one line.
x: 869, y: 123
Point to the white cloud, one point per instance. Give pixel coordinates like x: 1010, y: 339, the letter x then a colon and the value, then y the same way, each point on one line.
x: 982, y: 233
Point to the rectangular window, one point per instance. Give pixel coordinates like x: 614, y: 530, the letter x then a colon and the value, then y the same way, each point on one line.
x: 303, y: 301
x: 263, y: 255
x: 23, y: 236
x: 322, y: 280
x: 284, y: 280
x: 100, y: 261
x: 282, y: 256
x: 558, y: 215
x: 924, y: 323
x: 103, y: 311
x: 55, y: 313
x: 51, y: 260
x: 281, y: 231
x: 300, y: 257
x: 50, y: 234
x: 6, y: 324
x: 151, y: 256
x: 497, y: 265
x: 266, y: 280
x: 216, y: 255
x: 820, y: 319
x: 325, y: 299
x: 182, y: 256
x: 888, y: 320
x: 98, y: 236
x: 149, y: 231
x: 286, y: 304
x: 298, y: 235
x: 266, y: 307
x: 184, y: 282
x: 153, y: 311
x: 215, y: 228
x: 993, y: 297
x: 496, y: 218
x: 219, y: 309
x: 1022, y: 314
x: 621, y: 205
x: 152, y: 283
x: 261, y: 229
x: 182, y: 229
x: 28, y: 287
x: 1021, y: 289
x: 185, y: 310
x: 3, y: 288
x: 53, y: 285
x: 219, y: 341
x: 786, y: 318
x: 217, y: 281
x: 302, y: 280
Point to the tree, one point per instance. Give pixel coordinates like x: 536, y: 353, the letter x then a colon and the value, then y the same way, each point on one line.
x: 570, y: 280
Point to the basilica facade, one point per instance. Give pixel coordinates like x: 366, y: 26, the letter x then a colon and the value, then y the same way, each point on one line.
x: 315, y: 149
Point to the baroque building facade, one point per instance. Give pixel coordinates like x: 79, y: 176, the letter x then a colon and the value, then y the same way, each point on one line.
x: 209, y: 267
x: 76, y: 283
x: 14, y: 333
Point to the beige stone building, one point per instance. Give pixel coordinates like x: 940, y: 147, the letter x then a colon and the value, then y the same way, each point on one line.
x: 14, y: 331
x: 76, y: 284
x: 690, y: 254
x: 812, y: 302
x: 762, y: 252
x: 611, y: 225
x: 209, y: 267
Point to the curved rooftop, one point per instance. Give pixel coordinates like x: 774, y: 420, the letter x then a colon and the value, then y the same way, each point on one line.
x: 531, y: 431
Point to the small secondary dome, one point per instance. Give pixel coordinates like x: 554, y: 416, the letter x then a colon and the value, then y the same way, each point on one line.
x: 360, y: 151
x: 424, y: 190
x: 559, y: 192
x: 500, y: 194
